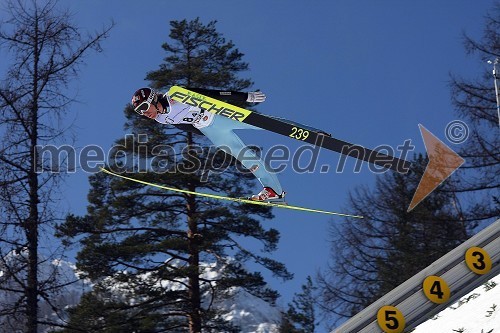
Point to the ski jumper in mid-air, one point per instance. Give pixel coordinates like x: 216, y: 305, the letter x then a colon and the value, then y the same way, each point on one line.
x: 218, y: 129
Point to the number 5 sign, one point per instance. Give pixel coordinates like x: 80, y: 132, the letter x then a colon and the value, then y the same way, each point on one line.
x: 390, y: 319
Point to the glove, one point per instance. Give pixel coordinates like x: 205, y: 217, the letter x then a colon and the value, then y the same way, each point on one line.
x: 256, y: 97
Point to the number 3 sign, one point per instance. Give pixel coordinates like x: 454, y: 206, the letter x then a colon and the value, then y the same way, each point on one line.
x: 478, y: 260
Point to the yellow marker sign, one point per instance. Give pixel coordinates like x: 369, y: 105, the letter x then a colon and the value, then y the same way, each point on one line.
x: 390, y: 319
x: 436, y: 289
x: 478, y: 260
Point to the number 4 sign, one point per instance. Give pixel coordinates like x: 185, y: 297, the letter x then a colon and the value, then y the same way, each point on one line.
x: 436, y: 289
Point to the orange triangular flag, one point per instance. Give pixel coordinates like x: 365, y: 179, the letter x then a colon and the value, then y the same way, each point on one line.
x: 442, y: 163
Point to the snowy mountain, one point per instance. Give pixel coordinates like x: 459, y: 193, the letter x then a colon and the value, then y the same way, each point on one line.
x: 241, y: 308
x: 59, y: 283
x: 250, y: 313
x: 477, y: 312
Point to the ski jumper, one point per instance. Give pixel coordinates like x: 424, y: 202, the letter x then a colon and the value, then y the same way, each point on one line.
x: 220, y: 131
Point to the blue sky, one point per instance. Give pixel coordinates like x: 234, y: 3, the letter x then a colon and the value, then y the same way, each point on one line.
x: 367, y: 73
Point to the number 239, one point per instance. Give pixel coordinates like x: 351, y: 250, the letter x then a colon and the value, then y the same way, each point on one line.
x: 299, y: 133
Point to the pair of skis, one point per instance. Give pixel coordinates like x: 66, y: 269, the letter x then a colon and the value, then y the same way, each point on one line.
x: 226, y: 198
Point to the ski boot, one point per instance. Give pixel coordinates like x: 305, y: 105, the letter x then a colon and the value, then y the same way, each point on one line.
x: 268, y: 195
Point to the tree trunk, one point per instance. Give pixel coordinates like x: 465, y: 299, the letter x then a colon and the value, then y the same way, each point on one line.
x: 32, y: 223
x: 32, y: 274
x: 194, y: 258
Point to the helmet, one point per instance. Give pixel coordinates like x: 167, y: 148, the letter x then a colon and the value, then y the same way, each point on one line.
x: 143, y: 98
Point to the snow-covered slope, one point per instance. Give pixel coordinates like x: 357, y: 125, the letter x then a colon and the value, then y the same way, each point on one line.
x: 477, y: 312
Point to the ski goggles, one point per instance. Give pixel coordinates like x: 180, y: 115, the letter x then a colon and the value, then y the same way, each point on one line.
x: 145, y: 105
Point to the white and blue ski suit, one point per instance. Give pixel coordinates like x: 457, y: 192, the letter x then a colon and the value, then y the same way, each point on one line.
x: 220, y: 131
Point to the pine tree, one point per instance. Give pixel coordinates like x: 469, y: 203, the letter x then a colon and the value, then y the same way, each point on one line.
x: 373, y: 255
x: 301, y: 314
x: 156, y: 243
x: 96, y: 314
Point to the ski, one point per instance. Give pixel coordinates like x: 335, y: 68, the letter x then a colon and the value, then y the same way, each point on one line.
x: 222, y: 197
x: 292, y: 130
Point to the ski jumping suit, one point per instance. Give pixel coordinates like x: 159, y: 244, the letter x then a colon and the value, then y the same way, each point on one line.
x: 219, y: 130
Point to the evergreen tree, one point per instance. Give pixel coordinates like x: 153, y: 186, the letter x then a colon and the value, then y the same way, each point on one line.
x: 96, y: 314
x: 373, y: 255
x: 155, y: 242
x: 301, y: 314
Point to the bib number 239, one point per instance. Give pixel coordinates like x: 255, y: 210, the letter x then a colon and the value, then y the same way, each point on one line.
x: 299, y: 133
